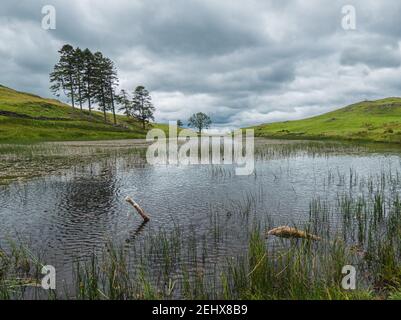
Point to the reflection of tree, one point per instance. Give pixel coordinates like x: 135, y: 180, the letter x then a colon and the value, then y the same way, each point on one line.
x: 86, y: 206
x: 133, y: 235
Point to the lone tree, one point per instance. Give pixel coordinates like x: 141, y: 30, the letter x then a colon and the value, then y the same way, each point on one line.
x: 199, y: 121
x: 179, y: 123
x: 142, y: 106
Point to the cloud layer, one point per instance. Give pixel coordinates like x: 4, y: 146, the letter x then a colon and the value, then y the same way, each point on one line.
x: 241, y: 62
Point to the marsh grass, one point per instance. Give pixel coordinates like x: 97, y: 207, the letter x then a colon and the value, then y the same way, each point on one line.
x: 21, y: 162
x: 169, y: 265
x: 360, y: 225
x: 362, y: 230
x: 20, y: 273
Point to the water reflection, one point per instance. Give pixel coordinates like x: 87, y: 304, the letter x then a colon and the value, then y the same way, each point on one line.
x: 71, y: 215
x: 86, y: 203
x: 137, y: 232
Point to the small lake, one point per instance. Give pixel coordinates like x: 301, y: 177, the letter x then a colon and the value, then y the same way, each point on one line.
x: 69, y: 214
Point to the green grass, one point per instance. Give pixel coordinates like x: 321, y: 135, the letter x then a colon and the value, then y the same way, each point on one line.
x: 29, y: 118
x: 378, y: 121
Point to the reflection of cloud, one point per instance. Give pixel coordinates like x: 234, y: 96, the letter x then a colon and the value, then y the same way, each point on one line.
x: 242, y: 65
x: 218, y: 131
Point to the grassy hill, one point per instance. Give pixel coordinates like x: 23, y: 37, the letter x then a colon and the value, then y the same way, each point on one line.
x: 29, y: 118
x: 369, y: 121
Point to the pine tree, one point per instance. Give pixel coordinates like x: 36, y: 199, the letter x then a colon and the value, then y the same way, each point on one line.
x: 125, y: 103
x: 142, y: 105
x: 88, y: 76
x: 79, y: 76
x: 99, y: 82
x: 111, y: 81
x: 63, y: 76
x: 84, y: 76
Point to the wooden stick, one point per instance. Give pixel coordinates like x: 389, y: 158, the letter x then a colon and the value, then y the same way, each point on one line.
x: 136, y: 206
x: 288, y: 232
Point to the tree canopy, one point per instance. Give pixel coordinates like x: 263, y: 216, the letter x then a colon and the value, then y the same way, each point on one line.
x: 142, y: 106
x: 199, y: 121
x: 86, y: 77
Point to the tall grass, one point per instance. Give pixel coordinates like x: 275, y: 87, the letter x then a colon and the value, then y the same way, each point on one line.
x: 19, y: 162
x: 170, y: 265
x: 359, y: 226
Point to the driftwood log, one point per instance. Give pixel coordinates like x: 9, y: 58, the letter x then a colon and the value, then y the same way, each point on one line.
x: 136, y: 206
x: 288, y: 232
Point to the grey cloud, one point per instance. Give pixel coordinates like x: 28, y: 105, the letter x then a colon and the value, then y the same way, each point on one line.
x: 373, y: 54
x: 243, y: 63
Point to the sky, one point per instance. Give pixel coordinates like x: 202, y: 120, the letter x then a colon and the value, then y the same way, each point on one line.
x: 241, y: 62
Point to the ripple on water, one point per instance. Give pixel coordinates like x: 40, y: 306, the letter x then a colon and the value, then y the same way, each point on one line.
x: 72, y: 215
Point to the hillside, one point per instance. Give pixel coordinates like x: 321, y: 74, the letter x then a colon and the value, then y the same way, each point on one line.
x: 29, y: 118
x: 378, y: 120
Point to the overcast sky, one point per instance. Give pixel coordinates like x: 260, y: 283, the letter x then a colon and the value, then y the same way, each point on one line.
x: 241, y: 62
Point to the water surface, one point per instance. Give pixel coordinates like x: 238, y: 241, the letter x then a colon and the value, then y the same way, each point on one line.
x: 72, y: 213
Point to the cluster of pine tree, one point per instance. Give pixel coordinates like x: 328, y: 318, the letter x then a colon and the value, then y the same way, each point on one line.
x: 86, y: 77
x: 139, y: 106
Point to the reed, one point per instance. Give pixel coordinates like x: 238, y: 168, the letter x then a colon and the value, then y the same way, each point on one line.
x: 359, y: 225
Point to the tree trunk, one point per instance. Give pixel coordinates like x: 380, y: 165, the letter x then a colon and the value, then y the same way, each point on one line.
x: 89, y: 103
x: 114, y: 115
x: 143, y: 113
x: 127, y: 111
x: 104, y: 105
x: 80, y: 95
x: 112, y: 105
x: 72, y: 91
x: 89, y: 93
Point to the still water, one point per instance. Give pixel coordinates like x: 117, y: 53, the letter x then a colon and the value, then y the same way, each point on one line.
x: 71, y: 214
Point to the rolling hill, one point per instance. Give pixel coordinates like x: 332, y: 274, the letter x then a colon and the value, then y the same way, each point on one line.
x: 29, y: 118
x: 378, y: 120
x: 26, y: 117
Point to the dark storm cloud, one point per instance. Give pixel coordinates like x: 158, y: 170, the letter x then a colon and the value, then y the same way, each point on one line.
x: 243, y: 63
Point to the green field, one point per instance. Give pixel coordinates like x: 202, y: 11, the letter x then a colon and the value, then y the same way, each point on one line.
x: 29, y: 118
x: 365, y: 121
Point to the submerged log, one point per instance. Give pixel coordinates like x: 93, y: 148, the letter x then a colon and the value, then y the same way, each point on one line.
x: 288, y: 232
x: 136, y: 206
